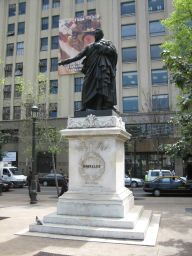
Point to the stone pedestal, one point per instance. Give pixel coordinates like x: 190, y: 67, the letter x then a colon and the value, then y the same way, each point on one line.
x: 97, y: 204
x: 96, y: 164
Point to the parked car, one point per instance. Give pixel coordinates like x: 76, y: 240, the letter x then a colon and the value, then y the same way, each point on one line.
x: 49, y: 179
x: 133, y: 182
x: 168, y: 184
x: 153, y: 174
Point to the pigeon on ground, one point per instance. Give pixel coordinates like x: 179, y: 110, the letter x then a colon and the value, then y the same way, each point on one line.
x: 38, y: 221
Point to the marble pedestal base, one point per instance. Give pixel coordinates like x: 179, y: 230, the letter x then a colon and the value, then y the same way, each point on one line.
x: 97, y: 204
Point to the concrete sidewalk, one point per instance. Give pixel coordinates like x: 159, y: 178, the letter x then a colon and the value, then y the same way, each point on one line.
x: 174, y: 237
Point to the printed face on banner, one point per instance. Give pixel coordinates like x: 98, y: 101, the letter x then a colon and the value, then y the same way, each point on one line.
x: 74, y: 35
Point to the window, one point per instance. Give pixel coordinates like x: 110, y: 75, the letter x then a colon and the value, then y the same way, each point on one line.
x: 42, y: 87
x: 130, y: 104
x: 7, y: 92
x: 43, y: 66
x: 11, y: 29
x: 44, y: 44
x: 12, y: 10
x: 159, y: 76
x: 17, y: 91
x: 45, y: 4
x: 129, y: 79
x: 53, y: 110
x: 79, y: 14
x: 79, y: 1
x: 128, y: 31
x: 128, y: 8
x: 44, y: 23
x: 22, y: 8
x: 53, y: 87
x: 20, y: 48
x: 21, y: 28
x: 28, y: 107
x: 129, y: 54
x: 6, y: 113
x: 54, y: 64
x: 156, y: 28
x: 8, y: 70
x: 42, y: 111
x: 78, y: 83
x: 16, y: 112
x: 160, y: 102
x: 56, y: 4
x: 77, y: 105
x: 155, y: 5
x: 91, y: 12
x: 19, y: 69
x: 10, y: 50
x: 155, y: 51
x: 54, y: 42
x: 55, y: 21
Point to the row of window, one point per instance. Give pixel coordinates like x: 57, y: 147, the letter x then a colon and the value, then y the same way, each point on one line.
x: 150, y: 129
x: 131, y: 104
x: 159, y: 103
x: 19, y: 49
x: 46, y: 3
x: 11, y: 29
x: 43, y: 66
x: 128, y: 8
x: 158, y: 77
x: 43, y: 46
x: 44, y: 43
x: 53, y: 89
x: 129, y: 54
x: 82, y: 1
x: 21, y: 8
x: 13, y: 9
x: 18, y: 69
x: 52, y: 111
x: 54, y: 22
x: 155, y: 29
x: 130, y: 79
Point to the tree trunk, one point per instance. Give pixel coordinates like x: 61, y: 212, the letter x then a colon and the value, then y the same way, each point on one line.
x: 55, y: 173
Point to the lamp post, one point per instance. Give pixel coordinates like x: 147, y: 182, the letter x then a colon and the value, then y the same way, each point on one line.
x: 33, y: 183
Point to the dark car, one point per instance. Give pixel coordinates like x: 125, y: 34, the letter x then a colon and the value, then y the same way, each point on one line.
x: 49, y: 179
x: 6, y: 185
x: 168, y: 185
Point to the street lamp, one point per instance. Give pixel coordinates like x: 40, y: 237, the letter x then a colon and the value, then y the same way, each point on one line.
x: 33, y: 183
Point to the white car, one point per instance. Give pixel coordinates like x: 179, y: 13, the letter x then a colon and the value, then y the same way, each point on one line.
x: 133, y: 182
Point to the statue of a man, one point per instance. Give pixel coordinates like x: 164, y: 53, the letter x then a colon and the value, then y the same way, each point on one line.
x: 99, y: 67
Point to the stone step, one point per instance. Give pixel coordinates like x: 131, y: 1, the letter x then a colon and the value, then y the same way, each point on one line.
x: 137, y: 233
x: 128, y: 222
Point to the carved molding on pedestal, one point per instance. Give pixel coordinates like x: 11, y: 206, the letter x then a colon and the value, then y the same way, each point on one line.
x: 92, y: 121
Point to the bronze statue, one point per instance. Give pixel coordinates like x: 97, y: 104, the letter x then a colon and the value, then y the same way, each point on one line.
x: 99, y: 67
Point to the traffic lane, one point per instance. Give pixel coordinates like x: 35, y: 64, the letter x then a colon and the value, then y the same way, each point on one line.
x: 165, y: 204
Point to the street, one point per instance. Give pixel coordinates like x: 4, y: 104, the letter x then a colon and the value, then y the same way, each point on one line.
x: 174, y: 236
x: 166, y: 204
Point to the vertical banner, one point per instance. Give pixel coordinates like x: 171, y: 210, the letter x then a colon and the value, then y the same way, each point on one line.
x: 74, y: 35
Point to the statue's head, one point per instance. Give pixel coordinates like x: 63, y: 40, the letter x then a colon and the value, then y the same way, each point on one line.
x: 98, y: 34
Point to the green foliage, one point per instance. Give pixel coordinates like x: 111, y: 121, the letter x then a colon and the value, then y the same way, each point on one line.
x: 177, y: 56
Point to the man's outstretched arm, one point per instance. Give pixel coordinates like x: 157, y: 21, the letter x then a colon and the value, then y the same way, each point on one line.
x: 70, y: 60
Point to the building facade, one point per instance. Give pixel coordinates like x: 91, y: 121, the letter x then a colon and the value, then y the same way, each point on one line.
x: 29, y: 38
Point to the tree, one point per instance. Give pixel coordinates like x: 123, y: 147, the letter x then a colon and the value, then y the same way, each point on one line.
x: 177, y: 56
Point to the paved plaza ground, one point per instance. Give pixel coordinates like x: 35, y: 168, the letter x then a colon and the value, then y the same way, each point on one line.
x: 174, y: 236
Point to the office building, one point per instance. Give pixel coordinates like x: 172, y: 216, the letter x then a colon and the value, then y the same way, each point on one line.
x: 29, y: 37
